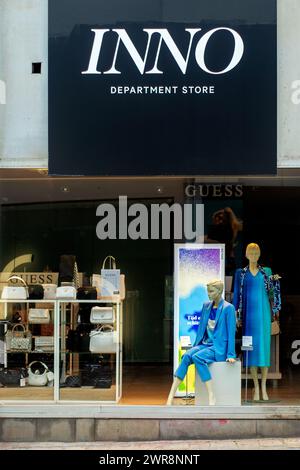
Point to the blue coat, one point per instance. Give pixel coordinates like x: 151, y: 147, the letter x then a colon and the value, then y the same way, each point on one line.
x: 224, y: 333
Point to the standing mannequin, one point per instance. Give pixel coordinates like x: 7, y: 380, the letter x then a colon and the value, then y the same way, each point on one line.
x: 215, y: 340
x: 254, y: 287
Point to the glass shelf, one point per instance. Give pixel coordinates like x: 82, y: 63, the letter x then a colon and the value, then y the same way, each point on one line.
x: 30, y: 352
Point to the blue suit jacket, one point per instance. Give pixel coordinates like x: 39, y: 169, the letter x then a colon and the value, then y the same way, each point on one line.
x: 224, y: 333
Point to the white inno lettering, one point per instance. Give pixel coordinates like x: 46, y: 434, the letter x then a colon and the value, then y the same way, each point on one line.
x: 166, y: 38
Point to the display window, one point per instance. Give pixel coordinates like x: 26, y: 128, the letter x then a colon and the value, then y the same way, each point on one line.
x: 148, y: 321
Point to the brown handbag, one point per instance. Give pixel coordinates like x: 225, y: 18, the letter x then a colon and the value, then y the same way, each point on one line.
x: 275, y: 329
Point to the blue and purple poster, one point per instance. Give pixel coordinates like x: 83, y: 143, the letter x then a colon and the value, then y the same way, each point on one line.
x: 195, y: 265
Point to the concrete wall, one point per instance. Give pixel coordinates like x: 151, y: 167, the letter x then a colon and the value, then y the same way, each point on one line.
x: 23, y: 119
x: 288, y: 83
x: 122, y: 430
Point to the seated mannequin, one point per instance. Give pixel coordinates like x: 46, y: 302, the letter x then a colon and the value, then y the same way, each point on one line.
x: 215, y: 340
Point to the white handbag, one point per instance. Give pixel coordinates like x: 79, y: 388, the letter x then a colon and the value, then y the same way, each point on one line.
x: 39, y: 315
x: 49, y: 291
x: 102, y: 315
x: 20, y: 340
x: 37, y: 379
x: 66, y: 292
x: 44, y: 343
x: 15, y: 292
x: 110, y: 284
x: 104, y: 340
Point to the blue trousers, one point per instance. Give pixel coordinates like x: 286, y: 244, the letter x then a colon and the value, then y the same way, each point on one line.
x: 201, y: 356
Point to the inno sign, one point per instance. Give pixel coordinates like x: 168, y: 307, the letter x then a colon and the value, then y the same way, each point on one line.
x: 166, y: 38
x: 165, y: 87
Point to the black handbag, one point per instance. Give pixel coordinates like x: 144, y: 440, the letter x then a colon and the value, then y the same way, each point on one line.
x: 66, y: 268
x: 35, y: 291
x: 12, y: 376
x: 103, y: 382
x: 87, y: 293
x: 72, y: 340
x: 73, y: 381
x: 78, y: 340
x: 93, y: 373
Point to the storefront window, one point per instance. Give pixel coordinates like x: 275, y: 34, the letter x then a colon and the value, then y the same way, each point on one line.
x: 88, y: 348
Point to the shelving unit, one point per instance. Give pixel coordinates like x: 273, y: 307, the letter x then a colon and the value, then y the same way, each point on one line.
x: 70, y: 359
x: 67, y: 362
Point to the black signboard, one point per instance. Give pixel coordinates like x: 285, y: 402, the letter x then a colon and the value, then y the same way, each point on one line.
x: 162, y: 87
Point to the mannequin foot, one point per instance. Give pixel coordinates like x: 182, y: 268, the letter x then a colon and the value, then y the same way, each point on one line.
x: 264, y: 395
x: 256, y: 394
x: 211, y: 399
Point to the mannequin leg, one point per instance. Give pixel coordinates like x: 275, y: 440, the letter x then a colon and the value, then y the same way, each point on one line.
x: 175, y: 385
x: 181, y: 371
x: 211, y: 396
x: 264, y: 375
x: 201, y: 360
x: 253, y: 371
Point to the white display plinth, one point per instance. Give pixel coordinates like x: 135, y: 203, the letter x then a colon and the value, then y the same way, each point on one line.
x: 226, y: 379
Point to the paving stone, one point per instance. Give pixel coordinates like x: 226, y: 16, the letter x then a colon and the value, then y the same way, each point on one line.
x: 252, y: 444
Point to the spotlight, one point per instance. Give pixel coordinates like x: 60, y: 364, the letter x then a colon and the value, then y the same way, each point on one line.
x: 65, y: 189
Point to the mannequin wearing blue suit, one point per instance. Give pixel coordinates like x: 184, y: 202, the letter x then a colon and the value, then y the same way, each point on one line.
x: 215, y: 340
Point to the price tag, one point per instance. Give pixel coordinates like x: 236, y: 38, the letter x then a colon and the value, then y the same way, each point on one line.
x: 247, y: 342
x: 185, y: 341
x: 22, y: 382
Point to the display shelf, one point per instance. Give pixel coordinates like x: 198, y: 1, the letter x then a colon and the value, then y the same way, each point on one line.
x: 30, y: 352
x: 64, y: 316
x: 67, y: 312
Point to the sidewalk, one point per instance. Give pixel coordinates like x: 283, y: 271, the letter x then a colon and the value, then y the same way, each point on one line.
x: 236, y: 444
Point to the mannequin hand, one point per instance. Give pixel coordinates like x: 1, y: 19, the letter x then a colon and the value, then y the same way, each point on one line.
x: 276, y: 277
x: 231, y: 360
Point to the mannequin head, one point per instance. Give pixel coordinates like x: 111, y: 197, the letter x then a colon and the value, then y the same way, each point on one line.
x: 253, y: 252
x: 214, y: 290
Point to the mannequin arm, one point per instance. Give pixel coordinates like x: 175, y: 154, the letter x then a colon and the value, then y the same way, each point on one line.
x: 231, y: 326
x: 236, y: 290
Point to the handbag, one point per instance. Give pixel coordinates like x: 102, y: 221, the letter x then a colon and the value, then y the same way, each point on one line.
x: 110, y: 284
x: 103, y: 382
x: 87, y: 293
x: 21, y: 340
x: 93, y: 373
x: 35, y: 291
x: 73, y: 381
x: 66, y: 292
x: 12, y: 376
x: 275, y: 328
x: 78, y: 340
x: 103, y: 340
x: 49, y: 291
x: 45, y: 343
x: 38, y: 315
x: 40, y: 376
x: 15, y: 292
x: 102, y: 315
x: 66, y: 268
